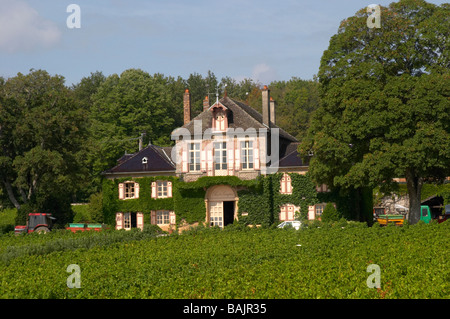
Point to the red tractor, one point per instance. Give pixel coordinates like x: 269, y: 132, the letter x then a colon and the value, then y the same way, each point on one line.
x: 37, y: 222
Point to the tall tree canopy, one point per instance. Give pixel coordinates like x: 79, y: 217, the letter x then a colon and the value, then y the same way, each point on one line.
x: 128, y: 105
x: 41, y: 139
x: 296, y: 101
x: 385, y: 101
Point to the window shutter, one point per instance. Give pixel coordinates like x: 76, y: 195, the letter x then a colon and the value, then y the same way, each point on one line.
x: 203, y: 160
x: 136, y: 190
x: 169, y: 189
x: 210, y: 163
x: 256, y: 154
x: 154, y: 190
x: 121, y: 191
x: 119, y: 220
x: 184, y: 159
x: 283, y: 184
x: 290, y: 212
x: 283, y: 212
x: 230, y: 152
x: 153, y: 217
x: 311, y: 212
x: 140, y: 221
x: 172, y: 218
x: 288, y: 184
x: 237, y: 155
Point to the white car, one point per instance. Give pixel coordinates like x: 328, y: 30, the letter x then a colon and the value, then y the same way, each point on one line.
x: 291, y: 223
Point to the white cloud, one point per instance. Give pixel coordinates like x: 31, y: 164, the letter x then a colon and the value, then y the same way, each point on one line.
x: 23, y: 29
x: 264, y: 73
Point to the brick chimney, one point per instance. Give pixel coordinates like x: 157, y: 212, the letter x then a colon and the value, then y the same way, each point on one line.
x: 272, y: 110
x: 187, y: 106
x: 266, y: 105
x: 205, y: 103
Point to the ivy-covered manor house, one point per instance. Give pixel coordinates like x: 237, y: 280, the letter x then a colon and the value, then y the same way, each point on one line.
x: 230, y: 163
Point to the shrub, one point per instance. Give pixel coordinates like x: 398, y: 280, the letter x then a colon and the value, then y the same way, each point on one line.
x: 81, y: 213
x: 96, y: 207
x: 330, y: 214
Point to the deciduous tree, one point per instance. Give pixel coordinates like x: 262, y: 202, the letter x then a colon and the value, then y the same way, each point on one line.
x: 385, y: 94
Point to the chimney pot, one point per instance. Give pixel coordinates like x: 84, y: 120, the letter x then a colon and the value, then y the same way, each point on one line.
x: 187, y: 106
x: 273, y: 106
x: 266, y: 106
x: 205, y: 103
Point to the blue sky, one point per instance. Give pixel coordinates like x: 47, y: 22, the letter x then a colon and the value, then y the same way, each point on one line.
x: 263, y: 40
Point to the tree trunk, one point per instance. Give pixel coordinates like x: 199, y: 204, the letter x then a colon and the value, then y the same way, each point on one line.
x: 414, y: 185
x: 10, y: 192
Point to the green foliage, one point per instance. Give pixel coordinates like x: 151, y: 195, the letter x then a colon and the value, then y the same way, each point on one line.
x: 330, y: 213
x: 296, y: 101
x: 7, y: 217
x: 42, y: 135
x: 145, y: 203
x: 384, y: 111
x: 127, y: 105
x: 189, y: 204
x: 188, y: 198
x: 95, y: 207
x: 262, y: 203
x: 81, y: 213
x: 203, y: 263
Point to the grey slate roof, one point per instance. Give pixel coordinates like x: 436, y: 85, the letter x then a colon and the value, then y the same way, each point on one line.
x: 242, y: 116
x: 158, y: 160
x: 289, y: 156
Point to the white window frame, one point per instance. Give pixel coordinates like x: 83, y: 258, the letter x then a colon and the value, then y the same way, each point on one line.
x: 194, y: 157
x: 162, y: 217
x: 247, y: 156
x: 162, y: 189
x: 129, y: 190
x: 318, y: 209
x: 220, y: 156
x: 127, y: 221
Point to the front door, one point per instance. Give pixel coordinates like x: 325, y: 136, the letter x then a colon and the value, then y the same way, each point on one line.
x: 228, y: 213
x: 221, y: 213
x: 129, y: 221
x: 216, y: 214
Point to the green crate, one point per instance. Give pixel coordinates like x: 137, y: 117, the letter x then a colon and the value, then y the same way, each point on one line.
x: 94, y: 225
x: 76, y: 225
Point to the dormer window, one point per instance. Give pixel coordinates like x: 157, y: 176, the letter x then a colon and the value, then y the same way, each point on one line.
x: 220, y: 117
x: 220, y: 121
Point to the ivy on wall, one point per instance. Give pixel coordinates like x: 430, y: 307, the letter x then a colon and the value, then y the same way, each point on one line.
x: 188, y: 198
x: 262, y: 206
x: 259, y: 199
x: 145, y: 203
